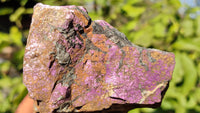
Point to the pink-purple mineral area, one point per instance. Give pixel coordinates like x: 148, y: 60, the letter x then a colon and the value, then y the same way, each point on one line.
x: 74, y: 64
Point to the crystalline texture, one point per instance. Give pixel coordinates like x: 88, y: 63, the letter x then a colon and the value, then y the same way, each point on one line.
x: 74, y: 64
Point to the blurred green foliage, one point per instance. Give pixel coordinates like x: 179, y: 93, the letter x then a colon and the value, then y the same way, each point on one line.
x: 149, y: 23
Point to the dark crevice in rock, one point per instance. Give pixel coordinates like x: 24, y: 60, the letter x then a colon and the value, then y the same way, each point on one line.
x: 118, y: 98
x: 164, y: 91
x: 51, y: 64
x: 55, y: 110
x: 70, y: 26
x: 80, y: 28
x: 84, y: 63
x: 85, y: 14
x: 54, y: 86
x: 89, y: 23
x: 38, y: 102
x: 68, y: 93
x: 81, y: 31
x: 78, y: 108
x: 69, y: 32
x: 52, y: 59
x: 124, y: 108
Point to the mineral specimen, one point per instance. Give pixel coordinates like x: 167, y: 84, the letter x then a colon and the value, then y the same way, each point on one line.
x: 74, y: 64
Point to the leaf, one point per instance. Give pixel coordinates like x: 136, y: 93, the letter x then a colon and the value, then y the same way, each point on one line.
x: 197, y: 23
x: 15, y: 35
x: 23, y: 2
x: 5, y: 82
x: 28, y: 11
x: 174, y: 100
x: 131, y: 24
x: 186, y: 44
x: 133, y: 1
x: 196, y: 94
x: 5, y: 106
x: 5, y: 66
x: 20, y: 97
x: 133, y: 11
x: 15, y: 16
x: 147, y: 110
x: 16, y: 87
x: 6, y: 11
x: 178, y: 70
x: 159, y: 30
x: 174, y: 97
x: 167, y: 104
x: 197, y: 108
x: 137, y: 110
x: 18, y: 59
x: 190, y: 74
x: 198, y: 69
x: 180, y: 109
x: 4, y: 37
x: 143, y: 37
x: 187, y: 27
x: 175, y: 3
x: 192, y: 102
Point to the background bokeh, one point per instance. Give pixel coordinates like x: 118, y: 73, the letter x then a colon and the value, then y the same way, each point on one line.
x: 169, y: 25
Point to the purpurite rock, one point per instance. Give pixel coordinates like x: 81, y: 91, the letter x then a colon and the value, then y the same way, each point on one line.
x: 74, y: 64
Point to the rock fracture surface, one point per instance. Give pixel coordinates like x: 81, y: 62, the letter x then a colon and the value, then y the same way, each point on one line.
x: 75, y: 64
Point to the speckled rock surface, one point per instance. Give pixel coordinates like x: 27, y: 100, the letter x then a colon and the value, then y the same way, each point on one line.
x: 74, y: 64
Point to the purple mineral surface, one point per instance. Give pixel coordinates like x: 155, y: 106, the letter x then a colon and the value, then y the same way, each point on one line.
x: 74, y: 64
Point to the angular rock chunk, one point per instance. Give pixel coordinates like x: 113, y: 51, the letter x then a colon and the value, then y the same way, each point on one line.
x: 74, y: 64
